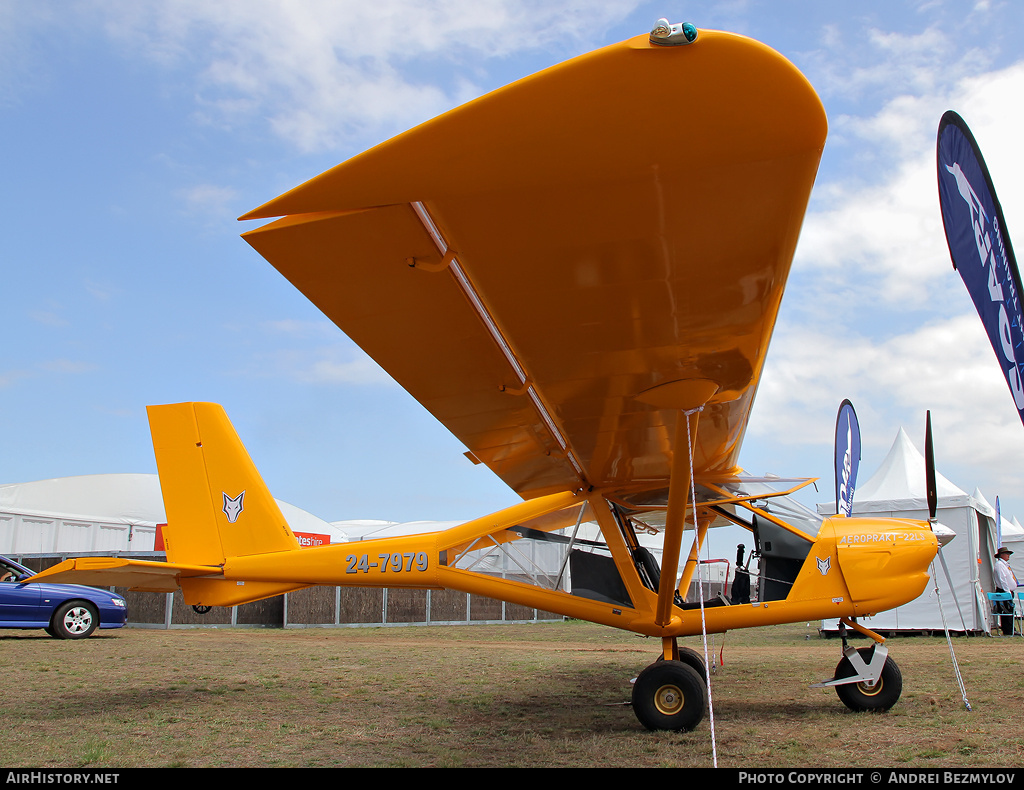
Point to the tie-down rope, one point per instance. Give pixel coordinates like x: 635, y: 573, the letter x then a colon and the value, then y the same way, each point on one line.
x: 700, y: 587
x: 949, y: 641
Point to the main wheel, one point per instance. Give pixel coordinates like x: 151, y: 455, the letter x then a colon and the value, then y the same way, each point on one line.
x: 867, y: 696
x: 669, y: 695
x: 74, y: 620
x: 693, y: 658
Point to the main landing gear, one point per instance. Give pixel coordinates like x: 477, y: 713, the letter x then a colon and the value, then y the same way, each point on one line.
x: 671, y: 694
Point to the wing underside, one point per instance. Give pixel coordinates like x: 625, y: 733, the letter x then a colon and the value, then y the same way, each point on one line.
x: 530, y: 264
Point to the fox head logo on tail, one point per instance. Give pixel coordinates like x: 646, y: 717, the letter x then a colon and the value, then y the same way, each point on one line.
x: 824, y: 565
x: 233, y: 507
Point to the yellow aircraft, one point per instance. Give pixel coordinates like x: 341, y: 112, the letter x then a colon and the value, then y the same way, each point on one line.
x: 578, y: 274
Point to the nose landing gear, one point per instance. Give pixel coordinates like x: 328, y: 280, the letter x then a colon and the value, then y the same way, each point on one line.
x: 866, y: 679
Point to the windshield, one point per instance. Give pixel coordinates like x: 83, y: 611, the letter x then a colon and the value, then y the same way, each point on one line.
x: 732, y: 498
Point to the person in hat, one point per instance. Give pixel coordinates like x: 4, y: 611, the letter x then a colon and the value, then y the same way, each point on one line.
x: 1005, y: 582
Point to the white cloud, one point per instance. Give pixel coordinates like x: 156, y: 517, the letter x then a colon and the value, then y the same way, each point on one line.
x: 876, y: 235
x: 321, y: 358
x: 361, y: 370
x: 322, y: 72
x: 885, y: 238
x: 946, y: 367
x: 875, y: 311
x: 48, y: 318
x: 10, y: 377
x: 209, y: 199
x: 856, y: 62
x: 19, y: 23
x: 67, y: 366
x: 324, y: 365
x: 317, y: 365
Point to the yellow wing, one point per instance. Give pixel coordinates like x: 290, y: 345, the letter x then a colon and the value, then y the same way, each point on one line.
x: 530, y: 264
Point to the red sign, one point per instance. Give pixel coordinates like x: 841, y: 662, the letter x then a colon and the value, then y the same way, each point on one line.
x: 307, y: 539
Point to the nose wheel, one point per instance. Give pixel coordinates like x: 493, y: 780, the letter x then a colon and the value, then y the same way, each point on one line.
x: 866, y: 679
x: 868, y: 695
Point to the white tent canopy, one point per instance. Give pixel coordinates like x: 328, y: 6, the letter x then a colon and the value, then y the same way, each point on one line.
x: 899, y: 483
x: 371, y: 529
x: 120, y: 499
x: 1011, y: 535
x: 898, y: 490
x: 100, y: 513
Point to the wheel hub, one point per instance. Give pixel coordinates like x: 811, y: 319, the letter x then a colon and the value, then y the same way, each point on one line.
x: 870, y: 688
x: 669, y: 699
x: 77, y: 620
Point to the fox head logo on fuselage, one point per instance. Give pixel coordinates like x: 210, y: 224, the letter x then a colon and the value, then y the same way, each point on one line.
x: 233, y: 507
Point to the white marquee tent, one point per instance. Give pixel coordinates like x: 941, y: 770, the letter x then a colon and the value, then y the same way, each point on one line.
x: 100, y: 513
x: 897, y: 490
x: 1012, y: 536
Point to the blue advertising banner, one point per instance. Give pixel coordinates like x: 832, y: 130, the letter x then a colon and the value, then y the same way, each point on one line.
x: 847, y: 457
x: 999, y: 525
x: 979, y: 246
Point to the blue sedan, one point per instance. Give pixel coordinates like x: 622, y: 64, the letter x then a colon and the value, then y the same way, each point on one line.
x: 64, y: 611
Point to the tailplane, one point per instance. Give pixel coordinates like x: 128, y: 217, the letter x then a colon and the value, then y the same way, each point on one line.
x: 217, y: 507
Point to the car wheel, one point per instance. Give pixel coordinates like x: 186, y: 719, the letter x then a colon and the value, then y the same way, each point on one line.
x: 74, y: 620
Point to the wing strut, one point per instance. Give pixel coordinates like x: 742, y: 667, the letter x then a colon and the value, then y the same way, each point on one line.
x: 450, y: 261
x: 675, y: 516
x: 689, y: 398
x: 694, y: 558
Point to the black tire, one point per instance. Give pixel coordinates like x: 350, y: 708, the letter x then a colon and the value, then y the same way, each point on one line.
x: 691, y: 657
x: 669, y: 695
x: 864, y: 697
x: 74, y: 620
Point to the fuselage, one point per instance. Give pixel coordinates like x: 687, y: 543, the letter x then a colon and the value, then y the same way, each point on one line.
x: 854, y: 567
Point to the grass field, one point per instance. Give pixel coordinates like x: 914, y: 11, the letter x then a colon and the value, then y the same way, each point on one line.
x: 544, y: 695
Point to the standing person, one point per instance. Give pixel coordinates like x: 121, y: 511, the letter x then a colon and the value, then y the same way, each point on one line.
x: 1005, y: 582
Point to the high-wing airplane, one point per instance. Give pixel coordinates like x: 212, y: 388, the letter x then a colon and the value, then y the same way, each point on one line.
x: 579, y: 275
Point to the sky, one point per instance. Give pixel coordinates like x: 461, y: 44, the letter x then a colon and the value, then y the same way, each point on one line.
x: 135, y: 132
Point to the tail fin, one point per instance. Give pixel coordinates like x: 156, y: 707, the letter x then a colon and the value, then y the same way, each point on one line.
x: 216, y: 503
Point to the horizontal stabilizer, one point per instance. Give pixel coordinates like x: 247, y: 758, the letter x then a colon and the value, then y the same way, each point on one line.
x: 142, y: 575
x: 201, y: 585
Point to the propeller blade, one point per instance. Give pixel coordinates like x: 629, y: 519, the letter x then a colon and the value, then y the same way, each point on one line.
x: 929, y: 468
